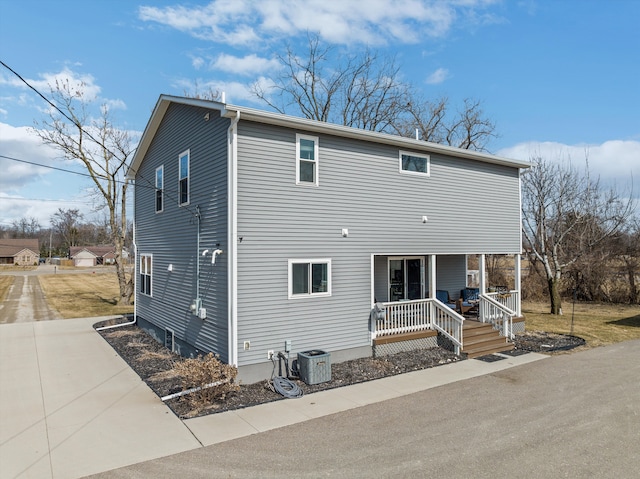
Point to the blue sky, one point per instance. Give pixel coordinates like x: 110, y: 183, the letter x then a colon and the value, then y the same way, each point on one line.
x: 559, y: 78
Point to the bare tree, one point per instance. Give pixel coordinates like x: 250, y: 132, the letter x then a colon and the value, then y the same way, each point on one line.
x: 366, y: 91
x: 566, y: 214
x: 627, y: 250
x: 26, y: 227
x: 66, y: 224
x: 103, y: 149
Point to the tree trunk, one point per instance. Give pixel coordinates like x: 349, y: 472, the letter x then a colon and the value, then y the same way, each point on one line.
x: 554, y: 296
x: 634, y: 294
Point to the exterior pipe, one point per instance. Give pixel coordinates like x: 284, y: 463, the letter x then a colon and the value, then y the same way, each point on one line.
x: 192, y: 390
x: 232, y: 180
x: 118, y: 325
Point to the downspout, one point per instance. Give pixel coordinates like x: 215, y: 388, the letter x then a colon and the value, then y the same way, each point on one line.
x: 135, y: 279
x: 232, y: 236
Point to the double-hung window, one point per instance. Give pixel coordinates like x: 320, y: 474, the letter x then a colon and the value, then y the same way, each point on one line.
x: 309, y: 277
x: 414, y: 163
x: 306, y: 160
x: 159, y: 189
x: 183, y: 170
x: 145, y: 274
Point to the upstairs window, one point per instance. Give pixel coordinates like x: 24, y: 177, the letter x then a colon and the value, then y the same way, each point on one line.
x: 145, y: 274
x: 306, y: 160
x: 183, y: 188
x: 414, y: 163
x: 309, y: 277
x: 159, y: 189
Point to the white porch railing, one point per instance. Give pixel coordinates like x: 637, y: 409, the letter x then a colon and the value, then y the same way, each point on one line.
x: 494, y: 312
x: 510, y: 299
x: 448, y: 322
x: 418, y: 315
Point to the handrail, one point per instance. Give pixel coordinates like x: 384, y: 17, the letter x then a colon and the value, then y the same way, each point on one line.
x: 510, y: 299
x: 497, y: 314
x: 400, y: 317
x: 449, y: 323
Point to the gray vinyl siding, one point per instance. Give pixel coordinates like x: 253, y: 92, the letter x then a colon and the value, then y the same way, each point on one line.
x: 171, y: 236
x: 451, y: 274
x: 472, y: 207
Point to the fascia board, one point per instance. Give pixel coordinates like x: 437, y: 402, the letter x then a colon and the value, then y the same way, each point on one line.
x: 250, y: 114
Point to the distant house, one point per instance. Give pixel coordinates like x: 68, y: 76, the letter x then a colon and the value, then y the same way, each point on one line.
x: 259, y: 232
x: 23, y: 252
x: 89, y: 256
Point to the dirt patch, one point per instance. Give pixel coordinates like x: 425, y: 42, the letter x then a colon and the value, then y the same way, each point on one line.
x: 157, y: 367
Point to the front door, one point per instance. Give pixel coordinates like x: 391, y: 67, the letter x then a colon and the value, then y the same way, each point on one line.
x: 406, y: 278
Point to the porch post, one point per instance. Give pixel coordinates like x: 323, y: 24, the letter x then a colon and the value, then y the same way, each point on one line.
x: 518, y: 272
x: 432, y: 276
x: 482, y: 266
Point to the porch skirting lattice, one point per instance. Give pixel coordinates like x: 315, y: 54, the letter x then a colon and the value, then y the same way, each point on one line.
x: 400, y: 346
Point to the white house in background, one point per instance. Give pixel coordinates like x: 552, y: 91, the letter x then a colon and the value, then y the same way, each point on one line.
x: 259, y: 232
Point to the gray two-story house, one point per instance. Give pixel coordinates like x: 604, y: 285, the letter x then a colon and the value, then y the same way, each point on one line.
x: 259, y: 232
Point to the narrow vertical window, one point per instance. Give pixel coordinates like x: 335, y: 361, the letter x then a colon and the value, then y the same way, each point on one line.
x: 145, y: 274
x: 184, y: 178
x: 159, y: 189
x: 306, y: 160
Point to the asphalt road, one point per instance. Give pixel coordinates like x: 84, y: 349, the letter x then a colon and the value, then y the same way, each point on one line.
x: 575, y: 415
x: 25, y: 300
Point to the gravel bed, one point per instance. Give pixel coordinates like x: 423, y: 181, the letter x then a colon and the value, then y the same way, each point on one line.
x: 154, y: 364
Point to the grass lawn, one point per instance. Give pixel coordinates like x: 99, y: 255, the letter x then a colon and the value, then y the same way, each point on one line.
x: 597, y: 323
x: 83, y: 295
x: 5, y: 283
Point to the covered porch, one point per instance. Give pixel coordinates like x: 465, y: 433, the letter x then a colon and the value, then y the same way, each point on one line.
x: 420, y: 296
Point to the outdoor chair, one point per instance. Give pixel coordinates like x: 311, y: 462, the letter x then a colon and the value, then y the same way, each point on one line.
x: 443, y: 296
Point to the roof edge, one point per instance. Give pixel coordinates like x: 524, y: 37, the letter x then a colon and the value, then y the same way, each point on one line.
x: 261, y: 116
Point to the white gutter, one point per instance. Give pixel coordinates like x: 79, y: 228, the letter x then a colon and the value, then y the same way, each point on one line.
x: 232, y: 235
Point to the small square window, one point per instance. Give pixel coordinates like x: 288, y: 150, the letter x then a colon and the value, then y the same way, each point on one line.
x: 309, y: 278
x: 414, y: 163
x: 306, y: 160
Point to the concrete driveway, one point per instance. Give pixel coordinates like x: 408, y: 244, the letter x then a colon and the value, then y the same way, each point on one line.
x: 70, y: 406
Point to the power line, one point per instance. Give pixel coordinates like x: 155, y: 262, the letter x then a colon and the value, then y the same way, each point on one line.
x: 46, y: 166
x: 123, y: 161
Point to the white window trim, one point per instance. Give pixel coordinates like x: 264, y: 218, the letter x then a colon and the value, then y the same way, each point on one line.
x: 155, y: 199
x: 415, y: 173
x: 299, y: 137
x: 326, y: 261
x: 150, y: 274
x: 188, y: 154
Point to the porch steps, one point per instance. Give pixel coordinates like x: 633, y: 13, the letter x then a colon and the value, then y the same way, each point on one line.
x: 480, y: 339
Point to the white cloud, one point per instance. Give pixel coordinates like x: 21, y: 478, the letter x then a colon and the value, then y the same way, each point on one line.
x: 248, y: 65
x: 616, y: 162
x: 21, y: 143
x: 235, y: 92
x: 197, y: 62
x: 14, y: 207
x: 245, y: 22
x: 438, y: 76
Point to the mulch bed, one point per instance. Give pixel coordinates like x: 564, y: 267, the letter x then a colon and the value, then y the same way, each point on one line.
x: 154, y: 364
